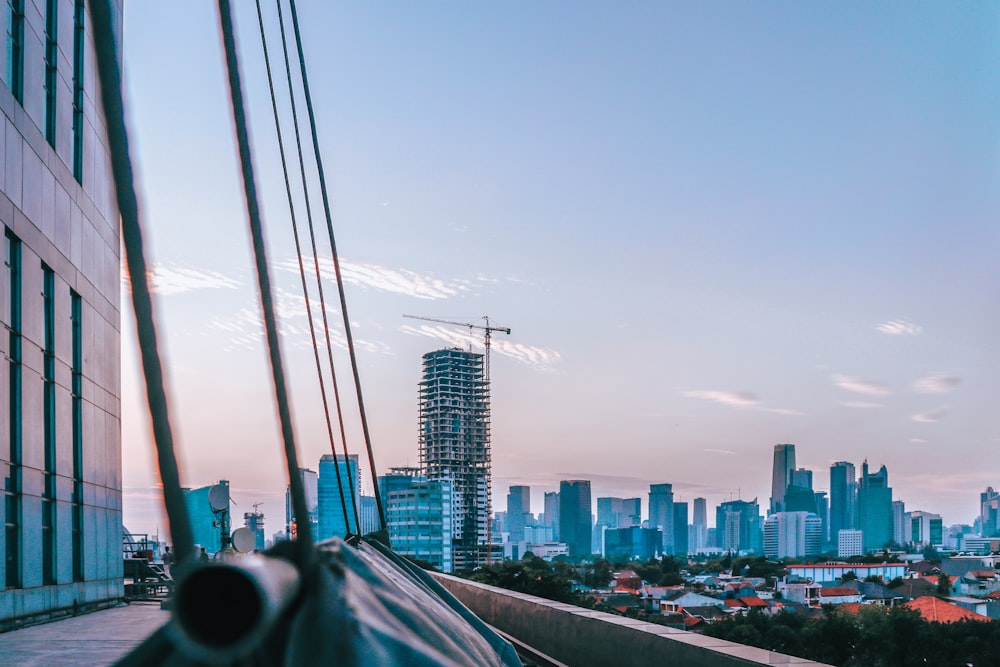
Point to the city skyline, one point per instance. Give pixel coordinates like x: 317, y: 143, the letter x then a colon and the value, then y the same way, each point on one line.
x: 711, y: 229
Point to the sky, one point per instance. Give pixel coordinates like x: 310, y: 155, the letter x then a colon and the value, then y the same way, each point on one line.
x: 711, y: 227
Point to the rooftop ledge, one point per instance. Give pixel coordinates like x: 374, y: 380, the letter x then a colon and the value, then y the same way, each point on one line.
x: 577, y: 636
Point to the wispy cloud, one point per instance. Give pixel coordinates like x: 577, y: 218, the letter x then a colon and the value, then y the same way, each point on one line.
x: 245, y: 327
x: 859, y: 386
x: 539, y: 358
x: 899, y: 328
x: 936, y: 384
x: 932, y: 416
x: 737, y: 399
x: 397, y: 281
x: 166, y: 280
x: 727, y: 452
x: 919, y: 440
x: 863, y: 405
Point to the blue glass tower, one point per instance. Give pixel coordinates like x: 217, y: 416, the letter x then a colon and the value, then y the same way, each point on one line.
x: 332, y: 522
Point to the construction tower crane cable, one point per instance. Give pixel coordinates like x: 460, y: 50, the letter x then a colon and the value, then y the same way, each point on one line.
x: 488, y: 329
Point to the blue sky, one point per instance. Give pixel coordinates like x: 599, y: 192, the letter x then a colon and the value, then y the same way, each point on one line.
x: 712, y: 227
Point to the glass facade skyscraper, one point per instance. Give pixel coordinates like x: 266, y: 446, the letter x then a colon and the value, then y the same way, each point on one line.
x: 334, y: 472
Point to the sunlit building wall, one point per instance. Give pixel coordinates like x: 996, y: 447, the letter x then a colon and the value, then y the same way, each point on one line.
x: 60, y: 322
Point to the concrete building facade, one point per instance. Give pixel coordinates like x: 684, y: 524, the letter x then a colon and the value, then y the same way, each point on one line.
x: 60, y: 292
x: 454, y: 441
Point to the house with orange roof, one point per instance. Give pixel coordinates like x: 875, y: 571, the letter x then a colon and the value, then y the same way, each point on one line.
x: 838, y: 595
x: 937, y: 610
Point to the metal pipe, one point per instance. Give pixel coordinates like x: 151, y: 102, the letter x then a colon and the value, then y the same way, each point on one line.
x: 224, y: 609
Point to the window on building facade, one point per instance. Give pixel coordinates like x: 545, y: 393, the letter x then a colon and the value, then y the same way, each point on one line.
x: 49, y: 533
x: 12, y: 480
x: 51, y: 68
x: 78, y: 18
x: 76, y: 306
x: 15, y: 48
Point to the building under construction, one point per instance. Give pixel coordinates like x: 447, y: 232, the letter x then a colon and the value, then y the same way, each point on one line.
x: 455, y: 445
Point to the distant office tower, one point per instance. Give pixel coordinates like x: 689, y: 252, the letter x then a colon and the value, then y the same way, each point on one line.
x: 369, y: 515
x: 618, y: 512
x: 926, y: 529
x: 698, y: 533
x: 875, y: 508
x: 793, y: 535
x: 661, y: 513
x: 699, y: 515
x: 843, y: 498
x: 338, y: 479
x: 632, y: 542
x: 551, y: 516
x: 850, y: 543
x: 310, y: 484
x: 680, y: 541
x: 784, y: 464
x: 208, y: 508
x: 823, y: 509
x: 455, y: 445
x: 575, y: 519
x: 739, y: 526
x: 989, y: 512
x: 418, y: 515
x: 255, y: 522
x: 801, y: 477
x: 518, y: 511
x: 900, y: 526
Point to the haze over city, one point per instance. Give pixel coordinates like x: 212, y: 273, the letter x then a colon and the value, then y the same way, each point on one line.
x: 711, y: 228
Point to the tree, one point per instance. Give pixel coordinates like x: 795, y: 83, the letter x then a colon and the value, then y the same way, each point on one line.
x: 943, y: 585
x: 849, y: 576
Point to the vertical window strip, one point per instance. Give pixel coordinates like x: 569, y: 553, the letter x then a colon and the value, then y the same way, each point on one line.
x: 49, y: 427
x: 15, y: 48
x: 51, y: 68
x: 12, y: 480
x: 77, y: 393
x: 78, y: 19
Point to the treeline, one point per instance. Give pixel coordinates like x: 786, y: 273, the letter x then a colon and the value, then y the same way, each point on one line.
x: 870, y: 638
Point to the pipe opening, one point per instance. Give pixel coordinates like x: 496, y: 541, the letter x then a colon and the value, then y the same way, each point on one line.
x: 218, y: 606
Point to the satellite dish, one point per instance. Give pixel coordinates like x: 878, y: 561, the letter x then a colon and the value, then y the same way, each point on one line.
x: 244, y: 540
x: 218, y: 497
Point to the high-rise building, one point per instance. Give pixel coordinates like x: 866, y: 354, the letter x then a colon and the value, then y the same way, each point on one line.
x: 255, y: 522
x: 575, y: 519
x: 784, y: 464
x: 843, y: 498
x: 550, y: 517
x: 618, y: 512
x: 455, y: 445
x: 801, y: 477
x: 739, y: 526
x: 850, y: 543
x: 310, y: 483
x: 338, y: 479
x: 518, y: 511
x: 900, y: 528
x: 60, y: 321
x: 369, y: 515
x: 208, y: 509
x: 823, y: 509
x: 926, y: 529
x: 698, y: 532
x: 875, y: 508
x: 989, y: 512
x: 632, y: 542
x: 661, y: 513
x: 418, y: 517
x: 793, y: 535
x: 680, y: 521
x: 699, y: 516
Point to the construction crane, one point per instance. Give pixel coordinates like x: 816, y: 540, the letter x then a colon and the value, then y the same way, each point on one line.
x: 488, y: 329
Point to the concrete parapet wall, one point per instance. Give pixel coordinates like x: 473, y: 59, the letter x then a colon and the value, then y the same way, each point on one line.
x: 580, y: 637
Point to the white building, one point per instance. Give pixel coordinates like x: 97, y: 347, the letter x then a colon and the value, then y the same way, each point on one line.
x: 792, y: 535
x: 850, y: 543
